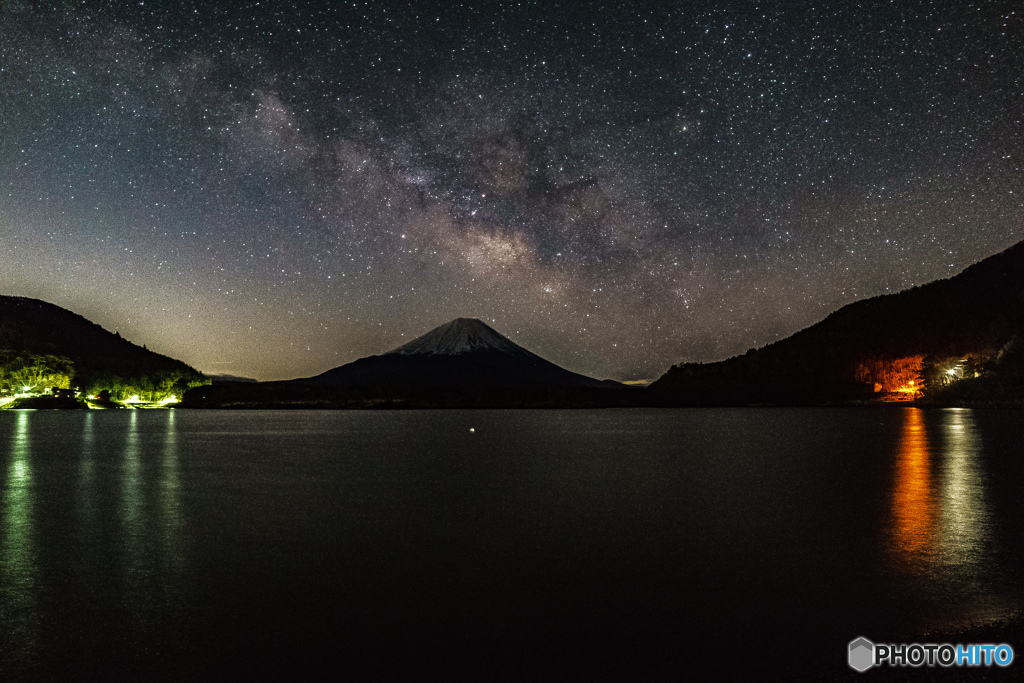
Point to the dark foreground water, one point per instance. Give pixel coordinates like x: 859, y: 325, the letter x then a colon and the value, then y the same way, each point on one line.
x: 632, y: 543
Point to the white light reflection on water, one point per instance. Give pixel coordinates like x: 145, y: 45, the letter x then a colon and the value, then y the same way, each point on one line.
x: 18, y: 571
x: 964, y: 548
x: 965, y: 519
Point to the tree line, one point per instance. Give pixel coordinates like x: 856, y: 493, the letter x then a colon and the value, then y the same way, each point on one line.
x: 33, y: 373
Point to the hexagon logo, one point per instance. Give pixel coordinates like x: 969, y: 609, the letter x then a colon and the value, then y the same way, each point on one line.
x: 861, y: 654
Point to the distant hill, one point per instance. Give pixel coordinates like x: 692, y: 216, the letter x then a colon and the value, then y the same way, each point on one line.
x: 462, y: 363
x: 100, y: 359
x: 221, y: 379
x: 927, y: 343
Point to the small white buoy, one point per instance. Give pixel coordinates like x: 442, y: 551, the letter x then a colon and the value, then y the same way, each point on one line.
x: 471, y: 429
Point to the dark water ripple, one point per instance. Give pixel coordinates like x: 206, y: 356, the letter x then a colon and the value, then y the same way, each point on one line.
x: 639, y: 543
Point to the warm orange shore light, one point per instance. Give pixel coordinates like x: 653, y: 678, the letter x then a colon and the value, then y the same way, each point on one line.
x: 909, y: 388
x: 894, y: 380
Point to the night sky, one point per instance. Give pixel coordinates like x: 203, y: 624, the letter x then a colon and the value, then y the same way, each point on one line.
x: 274, y: 189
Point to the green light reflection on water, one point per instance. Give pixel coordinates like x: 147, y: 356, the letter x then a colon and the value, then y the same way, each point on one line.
x: 86, y: 507
x: 132, y: 511
x: 170, y: 499
x: 152, y: 546
x: 88, y: 564
x: 18, y: 569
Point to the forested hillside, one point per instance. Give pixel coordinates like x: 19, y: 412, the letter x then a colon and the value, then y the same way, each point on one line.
x: 42, y: 345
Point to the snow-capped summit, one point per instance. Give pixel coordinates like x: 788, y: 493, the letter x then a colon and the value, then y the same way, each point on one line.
x: 460, y: 336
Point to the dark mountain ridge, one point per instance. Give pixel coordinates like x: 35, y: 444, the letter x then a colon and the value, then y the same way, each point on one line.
x: 464, y: 363
x: 34, y: 327
x: 969, y: 323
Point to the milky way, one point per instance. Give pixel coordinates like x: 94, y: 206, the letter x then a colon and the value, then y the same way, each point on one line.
x: 271, y: 190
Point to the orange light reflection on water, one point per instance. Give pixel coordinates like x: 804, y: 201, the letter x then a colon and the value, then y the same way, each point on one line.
x: 914, y: 500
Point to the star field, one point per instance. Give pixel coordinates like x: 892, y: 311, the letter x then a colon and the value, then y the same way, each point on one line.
x: 271, y: 190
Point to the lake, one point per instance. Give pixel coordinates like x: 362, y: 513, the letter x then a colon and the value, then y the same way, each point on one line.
x: 520, y: 544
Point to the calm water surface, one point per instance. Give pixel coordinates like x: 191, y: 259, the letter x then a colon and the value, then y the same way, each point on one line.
x: 164, y: 544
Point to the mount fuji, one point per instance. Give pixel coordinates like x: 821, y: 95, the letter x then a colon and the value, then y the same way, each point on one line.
x: 463, y: 358
x: 462, y: 364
